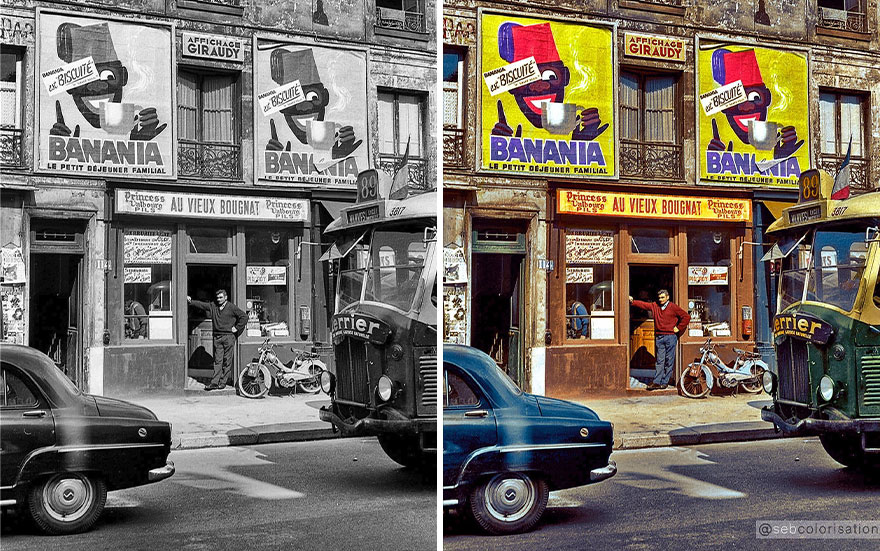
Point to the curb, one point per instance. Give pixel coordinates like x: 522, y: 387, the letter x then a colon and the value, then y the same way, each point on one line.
x: 700, y: 434
x: 263, y: 434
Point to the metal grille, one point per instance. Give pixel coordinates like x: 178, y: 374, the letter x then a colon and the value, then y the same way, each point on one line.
x: 352, y: 378
x: 794, y: 371
x: 871, y: 374
x: 428, y: 377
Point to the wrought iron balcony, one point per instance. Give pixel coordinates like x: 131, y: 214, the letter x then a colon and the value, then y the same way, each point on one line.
x: 412, y: 21
x: 853, y: 20
x: 10, y: 146
x: 649, y: 160
x: 418, y: 170
x: 858, y: 172
x: 453, y: 147
x: 209, y: 160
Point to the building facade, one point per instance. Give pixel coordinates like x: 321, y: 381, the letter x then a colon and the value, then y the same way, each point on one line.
x: 610, y: 148
x: 157, y: 150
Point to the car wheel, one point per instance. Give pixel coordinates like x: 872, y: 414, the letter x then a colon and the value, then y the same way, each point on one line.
x: 254, y: 387
x: 509, y: 503
x: 846, y: 449
x: 67, y: 503
x: 402, y: 449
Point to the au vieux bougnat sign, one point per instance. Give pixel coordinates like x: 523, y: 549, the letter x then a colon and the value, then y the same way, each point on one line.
x: 602, y: 203
x: 163, y: 203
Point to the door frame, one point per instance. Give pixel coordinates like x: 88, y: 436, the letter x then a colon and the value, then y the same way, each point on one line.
x: 675, y: 265
x: 183, y: 325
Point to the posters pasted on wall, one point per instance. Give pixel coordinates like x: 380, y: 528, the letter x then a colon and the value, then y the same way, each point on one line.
x: 753, y: 115
x: 311, y: 120
x: 12, y: 297
x: 12, y: 265
x: 105, y: 98
x: 547, y: 97
x: 147, y: 247
x: 455, y: 314
x: 454, y: 264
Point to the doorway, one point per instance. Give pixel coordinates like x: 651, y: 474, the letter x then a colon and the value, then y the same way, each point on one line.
x: 202, y: 282
x: 55, y: 305
x: 644, y: 282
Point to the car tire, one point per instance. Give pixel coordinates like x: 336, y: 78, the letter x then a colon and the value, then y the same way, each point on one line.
x: 67, y: 503
x: 403, y: 450
x: 509, y: 503
x: 846, y: 449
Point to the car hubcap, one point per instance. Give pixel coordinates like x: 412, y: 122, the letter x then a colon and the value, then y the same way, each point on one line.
x: 67, y: 498
x: 509, y: 499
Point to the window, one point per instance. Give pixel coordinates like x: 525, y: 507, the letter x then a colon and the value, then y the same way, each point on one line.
x: 709, y: 283
x: 841, y: 122
x: 401, y: 125
x: 650, y: 140
x: 453, y: 87
x: 209, y: 240
x: 650, y: 240
x: 397, y: 259
x: 589, y: 284
x: 456, y: 392
x: 208, y: 108
x: 402, y: 15
x: 13, y: 390
x: 843, y: 15
x: 147, y: 289
x: 11, y: 60
x: 268, y: 306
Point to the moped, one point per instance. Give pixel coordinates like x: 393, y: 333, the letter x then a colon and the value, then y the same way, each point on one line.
x: 698, y: 379
x: 304, y: 372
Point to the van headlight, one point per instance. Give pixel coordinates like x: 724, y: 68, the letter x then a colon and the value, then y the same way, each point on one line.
x: 328, y: 382
x: 768, y: 381
x: 385, y: 388
x: 826, y: 388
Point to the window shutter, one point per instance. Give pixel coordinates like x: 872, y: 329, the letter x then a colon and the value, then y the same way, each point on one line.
x: 827, y: 123
x: 218, y: 114
x: 851, y: 121
x: 659, y: 104
x: 410, y: 125
x: 386, y: 123
x: 629, y: 106
x: 187, y: 106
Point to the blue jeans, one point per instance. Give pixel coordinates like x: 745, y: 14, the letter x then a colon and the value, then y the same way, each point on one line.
x: 665, y: 352
x: 224, y: 348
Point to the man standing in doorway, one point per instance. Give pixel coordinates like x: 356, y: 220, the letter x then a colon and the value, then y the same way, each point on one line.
x: 228, y: 321
x: 669, y: 323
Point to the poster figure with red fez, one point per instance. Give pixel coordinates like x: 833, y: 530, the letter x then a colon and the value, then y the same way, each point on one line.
x: 753, y: 108
x: 547, y: 97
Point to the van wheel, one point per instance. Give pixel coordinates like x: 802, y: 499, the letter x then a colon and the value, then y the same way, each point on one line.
x: 67, y: 503
x: 846, y: 449
x: 509, y: 503
x: 401, y: 449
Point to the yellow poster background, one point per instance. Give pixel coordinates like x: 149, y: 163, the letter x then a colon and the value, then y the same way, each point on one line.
x: 587, y: 53
x: 784, y: 73
x: 664, y: 207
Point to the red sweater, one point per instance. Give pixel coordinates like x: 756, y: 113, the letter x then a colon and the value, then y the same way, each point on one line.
x: 665, y: 319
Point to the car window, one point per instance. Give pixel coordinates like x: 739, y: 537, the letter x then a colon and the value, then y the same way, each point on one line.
x: 456, y: 392
x: 13, y: 390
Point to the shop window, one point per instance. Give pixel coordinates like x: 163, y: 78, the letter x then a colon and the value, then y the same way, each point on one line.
x: 650, y: 240
x: 650, y: 141
x: 589, y: 284
x: 147, y: 287
x: 11, y: 60
x: 402, y: 134
x: 268, y: 303
x: 401, y: 15
x: 841, y: 123
x: 453, y: 102
x: 709, y: 283
x: 843, y: 15
x: 208, y: 240
x: 208, y: 109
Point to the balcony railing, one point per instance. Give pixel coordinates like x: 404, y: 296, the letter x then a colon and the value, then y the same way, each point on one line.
x: 648, y: 160
x: 853, y: 20
x: 209, y: 160
x: 10, y: 147
x: 388, y: 18
x: 453, y: 147
x: 418, y: 170
x: 858, y: 172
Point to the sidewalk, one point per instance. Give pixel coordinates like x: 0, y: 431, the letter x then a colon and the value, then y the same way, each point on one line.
x: 641, y: 419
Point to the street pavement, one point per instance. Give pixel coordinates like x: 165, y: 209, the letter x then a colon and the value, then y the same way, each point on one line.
x: 712, y: 496
x: 641, y: 419
x: 338, y: 495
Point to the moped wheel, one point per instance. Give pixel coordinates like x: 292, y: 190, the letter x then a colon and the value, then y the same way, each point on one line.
x: 756, y: 386
x: 254, y: 387
x: 695, y: 386
x: 312, y: 385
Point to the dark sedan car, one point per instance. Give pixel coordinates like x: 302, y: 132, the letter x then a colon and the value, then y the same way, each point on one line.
x: 505, y: 450
x: 62, y: 450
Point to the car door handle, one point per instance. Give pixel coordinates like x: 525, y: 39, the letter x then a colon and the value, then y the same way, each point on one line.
x: 34, y: 413
x: 476, y: 413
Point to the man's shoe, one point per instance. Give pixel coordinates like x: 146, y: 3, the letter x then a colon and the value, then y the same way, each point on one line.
x: 211, y: 387
x: 652, y: 386
x: 662, y: 387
